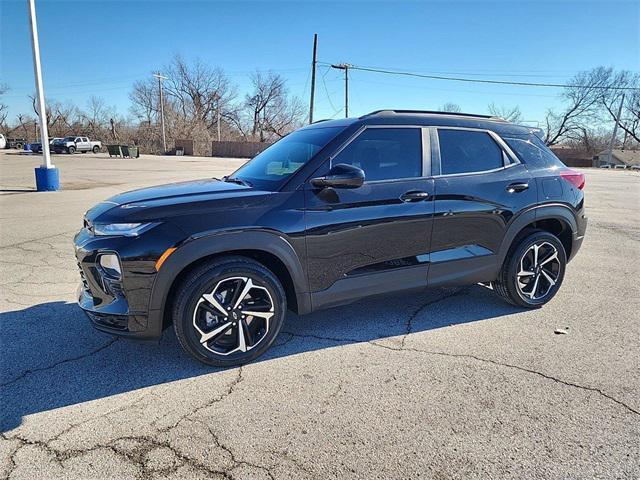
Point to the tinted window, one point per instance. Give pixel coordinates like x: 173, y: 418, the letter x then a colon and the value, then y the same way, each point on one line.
x: 464, y: 151
x: 278, y: 162
x: 534, y: 152
x: 385, y: 153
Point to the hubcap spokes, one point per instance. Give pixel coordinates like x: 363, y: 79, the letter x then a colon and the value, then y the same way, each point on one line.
x: 539, y: 271
x: 234, y: 316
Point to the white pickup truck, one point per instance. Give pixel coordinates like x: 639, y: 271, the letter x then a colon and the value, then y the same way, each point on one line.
x: 76, y: 144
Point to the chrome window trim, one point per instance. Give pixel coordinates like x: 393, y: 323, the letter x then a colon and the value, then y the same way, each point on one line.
x: 426, y: 157
x: 499, y: 141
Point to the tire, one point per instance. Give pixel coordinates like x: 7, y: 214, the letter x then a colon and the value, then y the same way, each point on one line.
x: 96, y: 149
x: 524, y: 283
x: 71, y: 150
x: 204, y: 307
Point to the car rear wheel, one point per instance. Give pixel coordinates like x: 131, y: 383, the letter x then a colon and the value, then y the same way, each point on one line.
x: 96, y: 149
x: 71, y: 149
x: 533, y: 271
x: 229, y: 311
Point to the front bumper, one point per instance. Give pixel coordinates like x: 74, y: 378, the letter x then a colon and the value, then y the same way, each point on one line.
x: 119, y: 306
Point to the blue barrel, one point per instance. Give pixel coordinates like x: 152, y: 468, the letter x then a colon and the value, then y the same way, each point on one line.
x: 47, y: 179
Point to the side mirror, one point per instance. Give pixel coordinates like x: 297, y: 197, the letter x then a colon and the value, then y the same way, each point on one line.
x: 341, y: 176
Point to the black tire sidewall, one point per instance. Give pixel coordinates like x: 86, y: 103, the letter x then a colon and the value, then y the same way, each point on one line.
x: 204, y: 280
x: 514, y: 265
x: 95, y: 149
x: 71, y: 150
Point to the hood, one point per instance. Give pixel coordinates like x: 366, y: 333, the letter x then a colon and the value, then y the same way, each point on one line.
x: 174, y: 190
x: 164, y: 201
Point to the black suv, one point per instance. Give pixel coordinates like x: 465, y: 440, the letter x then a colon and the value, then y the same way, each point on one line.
x: 334, y: 212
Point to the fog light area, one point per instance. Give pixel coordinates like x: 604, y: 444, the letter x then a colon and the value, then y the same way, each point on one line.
x: 110, y: 263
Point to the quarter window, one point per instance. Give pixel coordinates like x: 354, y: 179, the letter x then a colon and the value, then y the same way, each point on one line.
x: 465, y: 151
x: 385, y: 153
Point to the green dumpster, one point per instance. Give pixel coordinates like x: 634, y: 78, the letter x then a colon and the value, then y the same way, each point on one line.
x: 114, y: 150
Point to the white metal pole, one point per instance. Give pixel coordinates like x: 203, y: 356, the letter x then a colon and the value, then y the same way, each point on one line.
x: 37, y: 70
x: 218, y: 115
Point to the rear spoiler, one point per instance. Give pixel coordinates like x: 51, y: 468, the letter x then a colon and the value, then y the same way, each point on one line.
x: 538, y: 132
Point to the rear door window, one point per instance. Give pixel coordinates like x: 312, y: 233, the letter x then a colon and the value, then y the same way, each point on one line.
x: 385, y: 153
x: 466, y: 151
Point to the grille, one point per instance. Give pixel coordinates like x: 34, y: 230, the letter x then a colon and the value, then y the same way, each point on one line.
x: 114, y: 322
x: 85, y: 284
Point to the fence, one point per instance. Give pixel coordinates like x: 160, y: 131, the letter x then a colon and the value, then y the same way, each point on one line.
x: 237, y: 149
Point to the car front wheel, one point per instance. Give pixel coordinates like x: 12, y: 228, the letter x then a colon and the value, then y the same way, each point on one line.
x: 71, y: 149
x: 96, y: 149
x: 229, y: 311
x: 533, y: 271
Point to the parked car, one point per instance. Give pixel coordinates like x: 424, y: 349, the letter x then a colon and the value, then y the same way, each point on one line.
x: 3, y: 142
x: 37, y: 146
x: 16, y: 143
x: 76, y: 144
x: 332, y: 213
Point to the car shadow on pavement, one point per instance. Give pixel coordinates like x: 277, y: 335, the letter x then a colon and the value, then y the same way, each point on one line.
x: 52, y: 358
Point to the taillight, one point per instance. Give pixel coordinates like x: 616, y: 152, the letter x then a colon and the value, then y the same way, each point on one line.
x: 575, y: 177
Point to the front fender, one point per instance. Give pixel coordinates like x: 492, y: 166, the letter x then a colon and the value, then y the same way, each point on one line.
x: 225, y: 242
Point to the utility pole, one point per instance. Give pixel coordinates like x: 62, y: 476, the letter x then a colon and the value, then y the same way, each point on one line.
x: 47, y: 176
x: 345, y: 67
x: 164, y: 138
x: 218, y: 115
x: 313, y: 76
x: 615, y: 130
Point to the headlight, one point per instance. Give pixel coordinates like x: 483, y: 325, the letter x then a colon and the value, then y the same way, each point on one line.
x: 122, y: 229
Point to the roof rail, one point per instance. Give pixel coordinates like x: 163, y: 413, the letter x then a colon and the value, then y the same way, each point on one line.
x: 429, y: 112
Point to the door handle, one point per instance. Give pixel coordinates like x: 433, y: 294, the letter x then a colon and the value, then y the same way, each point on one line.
x: 517, y: 187
x: 414, y: 196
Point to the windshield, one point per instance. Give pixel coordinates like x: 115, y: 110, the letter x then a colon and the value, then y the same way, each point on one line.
x: 272, y: 167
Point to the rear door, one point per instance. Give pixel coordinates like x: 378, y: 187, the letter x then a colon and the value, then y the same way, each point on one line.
x: 380, y: 230
x: 479, y: 186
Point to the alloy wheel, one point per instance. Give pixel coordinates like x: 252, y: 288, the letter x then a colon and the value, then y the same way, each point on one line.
x: 234, y: 317
x: 539, y: 269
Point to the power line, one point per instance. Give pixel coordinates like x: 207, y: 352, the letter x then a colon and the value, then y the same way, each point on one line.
x: 479, y: 80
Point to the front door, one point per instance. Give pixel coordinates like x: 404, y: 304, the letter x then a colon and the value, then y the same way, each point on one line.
x: 376, y: 237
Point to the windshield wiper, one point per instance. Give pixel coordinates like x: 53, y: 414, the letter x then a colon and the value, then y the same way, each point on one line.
x: 237, y: 180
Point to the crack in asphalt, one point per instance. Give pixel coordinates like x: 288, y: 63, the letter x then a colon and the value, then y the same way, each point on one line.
x: 409, y: 328
x: 61, y: 362
x: 419, y: 310
x: 473, y: 357
x: 137, y: 458
x: 38, y: 240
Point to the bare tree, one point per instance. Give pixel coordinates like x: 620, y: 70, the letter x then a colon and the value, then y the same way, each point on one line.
x: 144, y: 100
x: 4, y: 109
x: 24, y: 124
x: 451, y: 107
x: 271, y: 109
x: 511, y: 114
x: 583, y: 98
x: 629, y: 120
x: 197, y: 90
